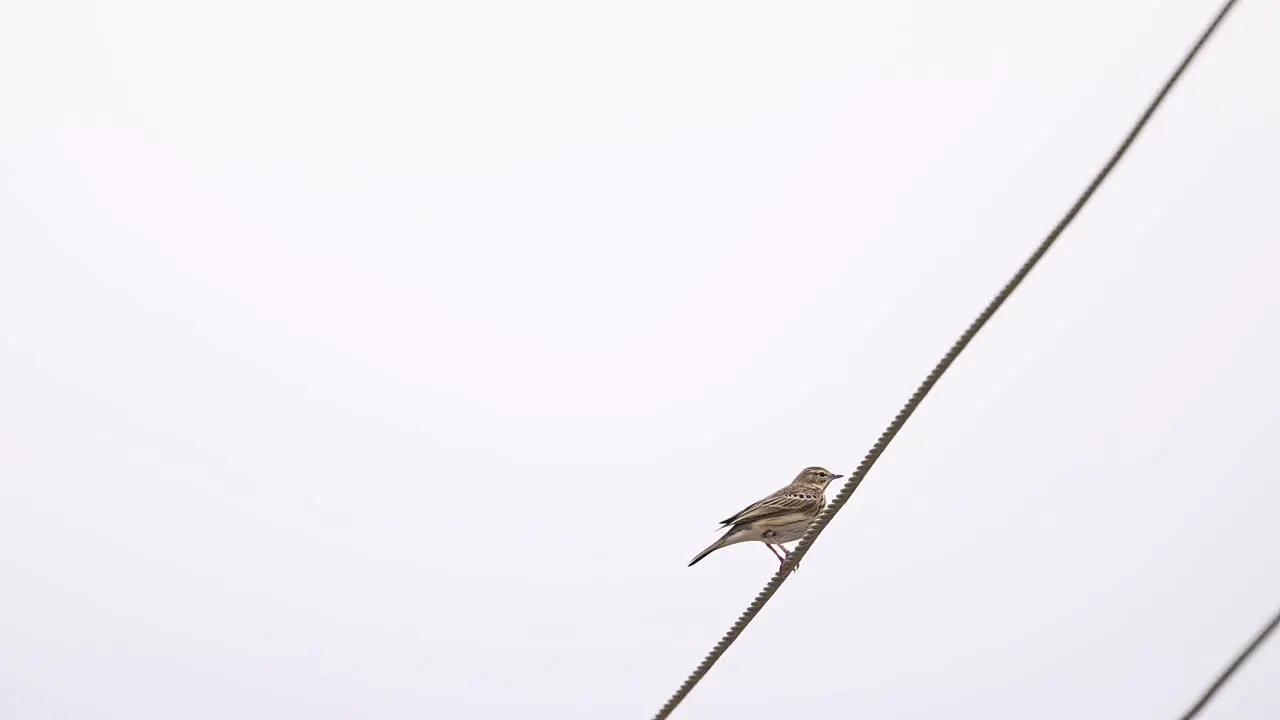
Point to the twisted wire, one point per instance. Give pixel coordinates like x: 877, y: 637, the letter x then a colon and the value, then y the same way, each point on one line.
x: 855, y: 479
x: 1240, y: 659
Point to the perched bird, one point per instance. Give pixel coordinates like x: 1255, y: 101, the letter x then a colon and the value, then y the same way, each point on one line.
x: 782, y: 517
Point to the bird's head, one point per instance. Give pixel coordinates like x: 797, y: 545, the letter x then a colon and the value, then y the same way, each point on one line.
x: 816, y: 476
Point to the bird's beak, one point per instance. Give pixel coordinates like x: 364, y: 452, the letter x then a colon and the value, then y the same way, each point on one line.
x: 836, y: 477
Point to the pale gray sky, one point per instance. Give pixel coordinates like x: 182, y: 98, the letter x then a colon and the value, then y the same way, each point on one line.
x: 391, y: 360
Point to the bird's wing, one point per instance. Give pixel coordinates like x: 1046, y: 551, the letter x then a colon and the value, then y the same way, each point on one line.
x: 787, y: 501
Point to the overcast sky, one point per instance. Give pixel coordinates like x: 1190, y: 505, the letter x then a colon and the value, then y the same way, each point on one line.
x: 391, y: 360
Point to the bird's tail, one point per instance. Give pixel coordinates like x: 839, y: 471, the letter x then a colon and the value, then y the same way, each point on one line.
x: 713, y: 547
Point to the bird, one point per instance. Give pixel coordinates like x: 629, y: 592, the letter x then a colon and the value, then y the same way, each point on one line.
x: 779, y: 518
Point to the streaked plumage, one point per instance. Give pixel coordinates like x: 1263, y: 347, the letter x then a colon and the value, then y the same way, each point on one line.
x: 779, y: 518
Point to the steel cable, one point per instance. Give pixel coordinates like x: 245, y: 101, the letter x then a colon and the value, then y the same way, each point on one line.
x: 1240, y: 659
x: 855, y: 479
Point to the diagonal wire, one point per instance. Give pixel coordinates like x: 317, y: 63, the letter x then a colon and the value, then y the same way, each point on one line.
x: 855, y: 479
x: 1240, y: 659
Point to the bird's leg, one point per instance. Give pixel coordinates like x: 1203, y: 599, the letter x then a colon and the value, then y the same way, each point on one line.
x: 782, y: 559
x: 774, y: 550
x: 788, y: 554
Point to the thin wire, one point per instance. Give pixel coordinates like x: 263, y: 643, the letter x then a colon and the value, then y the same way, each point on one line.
x: 855, y: 479
x: 1228, y: 671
